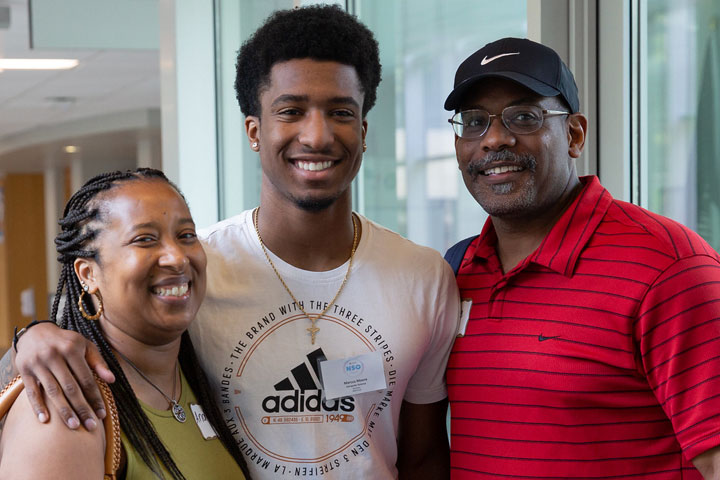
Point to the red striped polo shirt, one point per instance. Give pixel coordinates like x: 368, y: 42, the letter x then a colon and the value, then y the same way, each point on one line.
x: 597, y: 357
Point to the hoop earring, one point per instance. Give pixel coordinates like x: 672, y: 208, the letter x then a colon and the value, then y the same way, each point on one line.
x: 85, y: 315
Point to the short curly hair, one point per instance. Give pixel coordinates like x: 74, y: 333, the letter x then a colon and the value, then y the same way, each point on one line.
x: 319, y: 32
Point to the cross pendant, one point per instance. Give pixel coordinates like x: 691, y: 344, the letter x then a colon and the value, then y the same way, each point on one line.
x: 313, y: 331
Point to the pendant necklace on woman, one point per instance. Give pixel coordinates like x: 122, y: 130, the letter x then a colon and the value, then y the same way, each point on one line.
x: 177, y: 410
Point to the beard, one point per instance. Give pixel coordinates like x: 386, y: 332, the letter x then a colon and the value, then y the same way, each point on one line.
x: 315, y: 204
x: 509, y: 199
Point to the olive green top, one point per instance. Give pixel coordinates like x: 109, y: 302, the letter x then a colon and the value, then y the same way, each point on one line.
x: 196, y: 457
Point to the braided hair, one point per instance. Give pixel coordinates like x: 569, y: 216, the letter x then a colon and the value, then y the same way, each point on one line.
x: 80, y: 225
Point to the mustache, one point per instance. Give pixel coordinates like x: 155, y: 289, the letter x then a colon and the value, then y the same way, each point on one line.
x: 525, y: 160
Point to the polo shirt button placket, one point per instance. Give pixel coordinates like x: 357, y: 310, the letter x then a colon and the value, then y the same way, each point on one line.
x: 497, y: 300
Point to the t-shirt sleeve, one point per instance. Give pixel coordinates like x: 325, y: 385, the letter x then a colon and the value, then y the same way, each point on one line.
x: 427, y: 384
x: 678, y: 333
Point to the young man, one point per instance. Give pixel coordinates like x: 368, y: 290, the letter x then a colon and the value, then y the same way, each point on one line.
x: 592, y: 345
x: 302, y: 279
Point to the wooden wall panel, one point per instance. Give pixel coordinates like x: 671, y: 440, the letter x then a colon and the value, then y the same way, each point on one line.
x: 24, y: 250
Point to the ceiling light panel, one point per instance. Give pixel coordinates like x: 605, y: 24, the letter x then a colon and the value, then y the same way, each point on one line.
x: 37, y: 63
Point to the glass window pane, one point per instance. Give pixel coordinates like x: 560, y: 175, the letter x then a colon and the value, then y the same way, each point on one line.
x: 238, y: 166
x: 683, y: 113
x: 410, y: 181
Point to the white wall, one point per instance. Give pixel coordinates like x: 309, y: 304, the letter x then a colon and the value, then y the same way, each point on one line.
x: 187, y: 76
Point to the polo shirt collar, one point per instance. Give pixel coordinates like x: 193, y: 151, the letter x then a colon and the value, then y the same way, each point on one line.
x: 562, y: 246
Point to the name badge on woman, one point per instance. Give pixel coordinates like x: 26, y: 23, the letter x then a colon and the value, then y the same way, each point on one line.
x: 208, y: 432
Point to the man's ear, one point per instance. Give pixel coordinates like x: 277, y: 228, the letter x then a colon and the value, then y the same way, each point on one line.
x: 85, y: 271
x: 252, y: 129
x: 457, y: 152
x: 577, y: 132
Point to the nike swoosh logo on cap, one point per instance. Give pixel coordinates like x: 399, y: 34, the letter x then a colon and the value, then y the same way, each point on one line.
x: 487, y: 60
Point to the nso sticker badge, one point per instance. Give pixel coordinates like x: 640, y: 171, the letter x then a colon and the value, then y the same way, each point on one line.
x: 349, y: 376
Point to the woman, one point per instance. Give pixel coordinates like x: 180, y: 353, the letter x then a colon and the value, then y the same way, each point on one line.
x: 128, y: 241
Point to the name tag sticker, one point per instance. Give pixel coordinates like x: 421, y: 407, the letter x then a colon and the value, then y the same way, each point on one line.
x: 353, y: 375
x: 208, y: 432
x: 465, y: 308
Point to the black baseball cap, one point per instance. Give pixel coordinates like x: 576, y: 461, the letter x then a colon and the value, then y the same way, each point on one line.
x: 528, y: 63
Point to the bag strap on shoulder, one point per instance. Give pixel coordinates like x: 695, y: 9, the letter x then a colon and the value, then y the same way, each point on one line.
x: 454, y: 255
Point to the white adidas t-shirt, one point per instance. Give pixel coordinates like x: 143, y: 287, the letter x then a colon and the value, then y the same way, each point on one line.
x: 401, y: 300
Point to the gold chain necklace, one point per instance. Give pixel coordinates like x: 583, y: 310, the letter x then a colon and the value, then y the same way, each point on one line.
x: 313, y: 329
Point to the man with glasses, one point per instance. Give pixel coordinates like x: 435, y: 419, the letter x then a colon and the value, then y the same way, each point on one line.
x: 592, y: 344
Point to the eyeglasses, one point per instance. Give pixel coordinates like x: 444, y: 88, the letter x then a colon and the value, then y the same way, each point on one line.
x: 520, y: 119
